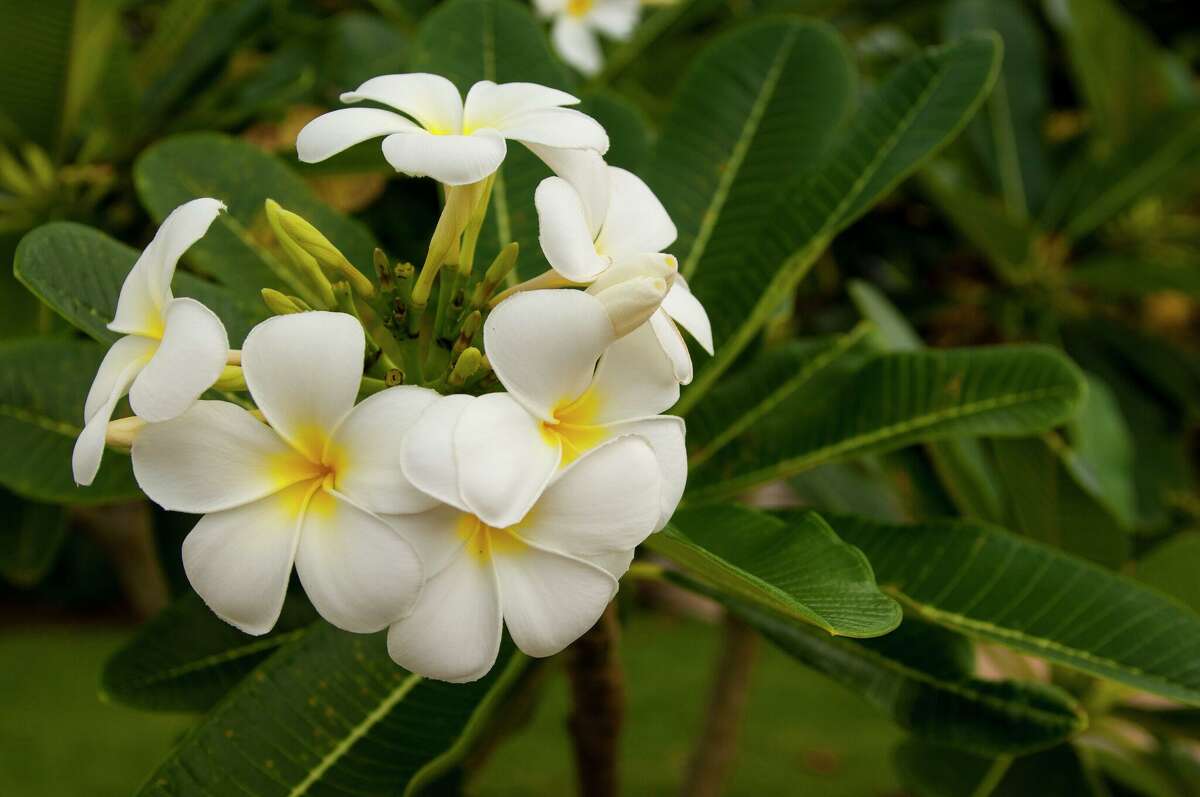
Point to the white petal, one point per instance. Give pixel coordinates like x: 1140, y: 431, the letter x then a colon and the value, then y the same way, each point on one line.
x: 673, y: 346
x: 550, y: 600
x: 449, y: 159
x: 188, y: 361
x: 339, y: 130
x: 634, y: 379
x: 453, y: 634
x: 629, y: 304
x: 564, y: 231
x: 548, y: 8
x: 685, y: 309
x: 430, y: 99
x: 489, y: 104
x: 587, y: 173
x: 147, y: 289
x: 213, y: 457
x: 632, y: 266
x: 239, y: 560
x: 557, y: 127
x: 437, y: 535
x: 505, y: 459
x: 576, y: 44
x: 616, y: 564
x: 615, y: 18
x: 544, y: 345
x: 366, y: 451
x: 607, y: 500
x: 665, y: 434
x: 121, y: 364
x: 427, y: 454
x: 358, y: 572
x: 303, y: 371
x: 636, y: 221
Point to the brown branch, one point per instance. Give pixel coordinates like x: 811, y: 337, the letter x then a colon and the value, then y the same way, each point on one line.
x: 597, y: 705
x: 713, y: 758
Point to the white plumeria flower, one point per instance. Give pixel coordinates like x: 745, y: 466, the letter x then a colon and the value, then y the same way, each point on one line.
x: 596, y: 223
x: 544, y: 347
x: 173, y: 349
x: 547, y: 577
x: 452, y: 141
x: 308, y: 487
x: 577, y: 22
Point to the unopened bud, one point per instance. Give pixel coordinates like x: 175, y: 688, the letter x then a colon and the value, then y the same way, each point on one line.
x: 280, y: 304
x: 310, y: 239
x: 306, y: 265
x: 467, y: 333
x: 466, y: 366
x: 231, y: 378
x: 630, y: 267
x: 630, y: 304
x: 496, y: 273
x: 120, y: 433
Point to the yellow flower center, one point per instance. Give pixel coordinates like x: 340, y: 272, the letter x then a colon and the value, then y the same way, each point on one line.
x: 483, y: 541
x: 579, y: 8
x: 575, y: 426
x: 309, y: 471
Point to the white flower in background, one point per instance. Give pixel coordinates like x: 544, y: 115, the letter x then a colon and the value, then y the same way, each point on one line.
x: 596, y: 223
x: 452, y: 141
x: 173, y: 349
x: 547, y: 577
x: 560, y: 404
x: 577, y: 23
x: 307, y: 487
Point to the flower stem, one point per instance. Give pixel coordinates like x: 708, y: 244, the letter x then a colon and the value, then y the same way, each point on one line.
x: 598, y: 705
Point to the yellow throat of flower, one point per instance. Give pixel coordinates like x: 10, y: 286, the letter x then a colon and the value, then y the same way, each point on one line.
x: 483, y: 541
x: 579, y: 8
x: 576, y: 427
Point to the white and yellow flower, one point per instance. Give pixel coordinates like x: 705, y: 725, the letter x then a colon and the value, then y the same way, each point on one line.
x: 172, y: 350
x: 441, y: 136
x: 547, y: 576
x: 578, y: 22
x: 308, y: 487
x: 596, y: 224
x: 560, y: 404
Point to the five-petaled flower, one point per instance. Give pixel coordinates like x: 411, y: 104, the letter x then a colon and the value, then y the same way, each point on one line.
x: 172, y: 350
x: 309, y: 487
x: 577, y: 23
x: 452, y: 141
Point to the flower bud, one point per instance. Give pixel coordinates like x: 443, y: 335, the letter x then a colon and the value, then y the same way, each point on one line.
x: 282, y: 304
x: 630, y: 303
x: 306, y: 265
x: 120, y: 433
x: 466, y: 366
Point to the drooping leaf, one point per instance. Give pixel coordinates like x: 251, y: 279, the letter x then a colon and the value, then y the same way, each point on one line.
x: 922, y: 676
x: 331, y: 714
x: 799, y: 569
x: 239, y: 249
x: 499, y: 40
x: 42, y: 387
x: 186, y: 658
x: 31, y: 536
x: 993, y: 585
x: 896, y: 399
x: 78, y: 271
x: 903, y: 123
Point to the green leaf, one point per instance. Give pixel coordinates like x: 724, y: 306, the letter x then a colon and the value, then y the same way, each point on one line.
x: 1007, y: 134
x: 799, y: 569
x: 897, y: 399
x: 331, y: 714
x: 30, y: 538
x: 51, y: 55
x: 499, y: 40
x: 903, y: 123
x: 922, y: 676
x: 1171, y: 567
x: 928, y: 770
x: 78, y: 271
x: 42, y: 387
x: 627, y: 127
x: 1120, y: 276
x: 359, y: 47
x: 1101, y: 456
x: 995, y: 586
x: 186, y: 658
x: 239, y: 249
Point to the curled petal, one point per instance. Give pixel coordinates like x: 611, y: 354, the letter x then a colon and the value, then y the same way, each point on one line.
x: 367, y: 449
x: 358, y: 572
x: 427, y: 455
x: 630, y: 304
x: 337, y: 131
x: 576, y: 44
x: 303, y: 371
x: 636, y: 221
x: 147, y: 290
x: 188, y: 361
x: 634, y: 379
x: 685, y: 309
x: 239, y: 560
x: 430, y: 99
x: 120, y: 366
x: 214, y: 457
x: 505, y: 459
x: 449, y: 159
x: 490, y: 104
x: 544, y: 345
x: 453, y: 633
x: 665, y: 435
x: 564, y: 231
x: 557, y: 127
x: 587, y: 173
x: 673, y: 346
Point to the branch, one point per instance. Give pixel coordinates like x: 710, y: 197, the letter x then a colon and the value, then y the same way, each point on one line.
x: 598, y: 705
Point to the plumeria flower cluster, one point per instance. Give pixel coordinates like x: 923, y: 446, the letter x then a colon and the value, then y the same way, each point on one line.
x: 414, y: 481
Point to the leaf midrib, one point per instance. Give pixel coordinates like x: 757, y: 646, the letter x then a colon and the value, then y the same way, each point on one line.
x: 217, y: 659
